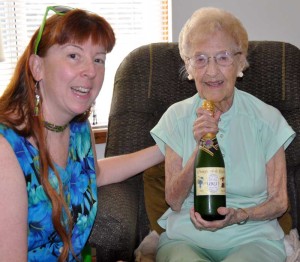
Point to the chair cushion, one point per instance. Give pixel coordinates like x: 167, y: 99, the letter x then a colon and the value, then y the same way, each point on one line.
x: 154, y: 189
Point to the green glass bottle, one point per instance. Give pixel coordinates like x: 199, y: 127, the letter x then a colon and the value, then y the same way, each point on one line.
x: 86, y: 253
x: 209, y: 176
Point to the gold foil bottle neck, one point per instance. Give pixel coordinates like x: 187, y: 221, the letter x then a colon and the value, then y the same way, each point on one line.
x: 209, y: 106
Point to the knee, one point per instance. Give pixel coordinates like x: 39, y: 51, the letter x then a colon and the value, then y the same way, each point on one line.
x: 179, y: 252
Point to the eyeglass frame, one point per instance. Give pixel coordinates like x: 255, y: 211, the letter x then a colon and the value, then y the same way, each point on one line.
x: 229, y: 54
x: 42, y: 26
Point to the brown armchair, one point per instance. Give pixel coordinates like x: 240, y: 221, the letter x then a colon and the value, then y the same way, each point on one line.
x: 147, y: 82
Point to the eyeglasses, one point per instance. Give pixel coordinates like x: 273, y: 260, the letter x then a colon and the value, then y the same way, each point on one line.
x: 59, y: 10
x: 222, y: 59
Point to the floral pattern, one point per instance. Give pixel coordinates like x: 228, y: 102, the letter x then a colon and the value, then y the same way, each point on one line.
x: 80, y: 190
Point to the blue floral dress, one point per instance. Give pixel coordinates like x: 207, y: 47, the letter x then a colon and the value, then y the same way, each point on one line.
x: 79, y: 183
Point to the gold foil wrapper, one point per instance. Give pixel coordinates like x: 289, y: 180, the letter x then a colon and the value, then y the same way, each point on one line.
x: 209, y: 106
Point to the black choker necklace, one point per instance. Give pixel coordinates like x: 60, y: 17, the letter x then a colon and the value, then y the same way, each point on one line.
x: 54, y: 128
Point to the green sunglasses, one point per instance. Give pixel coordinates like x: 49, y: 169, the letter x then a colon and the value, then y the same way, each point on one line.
x: 59, y: 10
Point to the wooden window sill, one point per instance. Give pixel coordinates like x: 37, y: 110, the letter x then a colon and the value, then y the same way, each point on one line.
x: 100, y: 135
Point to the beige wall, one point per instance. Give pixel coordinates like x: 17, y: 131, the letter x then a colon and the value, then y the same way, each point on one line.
x: 264, y: 19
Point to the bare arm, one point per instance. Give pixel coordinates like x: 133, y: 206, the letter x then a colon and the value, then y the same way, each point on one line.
x: 118, y: 168
x: 275, y: 205
x: 14, y: 206
x: 179, y: 181
x: 277, y: 201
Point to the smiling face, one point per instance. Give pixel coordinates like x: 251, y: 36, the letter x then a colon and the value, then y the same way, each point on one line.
x: 214, y: 82
x: 71, y: 78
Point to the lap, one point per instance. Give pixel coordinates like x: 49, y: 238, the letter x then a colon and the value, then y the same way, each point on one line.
x: 180, y: 250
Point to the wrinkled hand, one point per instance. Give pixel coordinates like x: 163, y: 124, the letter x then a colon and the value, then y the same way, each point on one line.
x: 201, y: 224
x: 205, y: 123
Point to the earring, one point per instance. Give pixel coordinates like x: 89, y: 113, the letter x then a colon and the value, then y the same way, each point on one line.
x: 189, y: 77
x: 37, y: 99
x: 240, y: 74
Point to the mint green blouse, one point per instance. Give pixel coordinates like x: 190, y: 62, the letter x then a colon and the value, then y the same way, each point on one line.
x: 250, y: 133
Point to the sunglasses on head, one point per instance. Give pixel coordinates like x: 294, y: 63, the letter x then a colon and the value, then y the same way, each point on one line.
x: 59, y: 10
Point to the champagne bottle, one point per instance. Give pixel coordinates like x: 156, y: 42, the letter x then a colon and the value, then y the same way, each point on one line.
x: 209, y: 176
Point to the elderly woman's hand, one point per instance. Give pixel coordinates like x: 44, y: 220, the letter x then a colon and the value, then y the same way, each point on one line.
x: 201, y: 224
x: 205, y: 123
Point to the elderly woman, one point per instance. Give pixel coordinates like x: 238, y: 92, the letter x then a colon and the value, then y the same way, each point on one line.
x: 252, y: 136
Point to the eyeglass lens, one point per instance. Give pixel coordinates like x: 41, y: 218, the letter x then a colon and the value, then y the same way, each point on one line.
x: 222, y: 59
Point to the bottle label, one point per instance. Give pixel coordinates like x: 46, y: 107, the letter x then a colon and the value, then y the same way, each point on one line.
x: 210, y: 181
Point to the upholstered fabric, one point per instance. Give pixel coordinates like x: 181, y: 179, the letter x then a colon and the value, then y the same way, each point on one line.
x: 147, y: 82
x: 154, y: 188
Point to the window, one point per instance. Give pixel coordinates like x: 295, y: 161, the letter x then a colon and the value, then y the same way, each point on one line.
x: 135, y: 22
